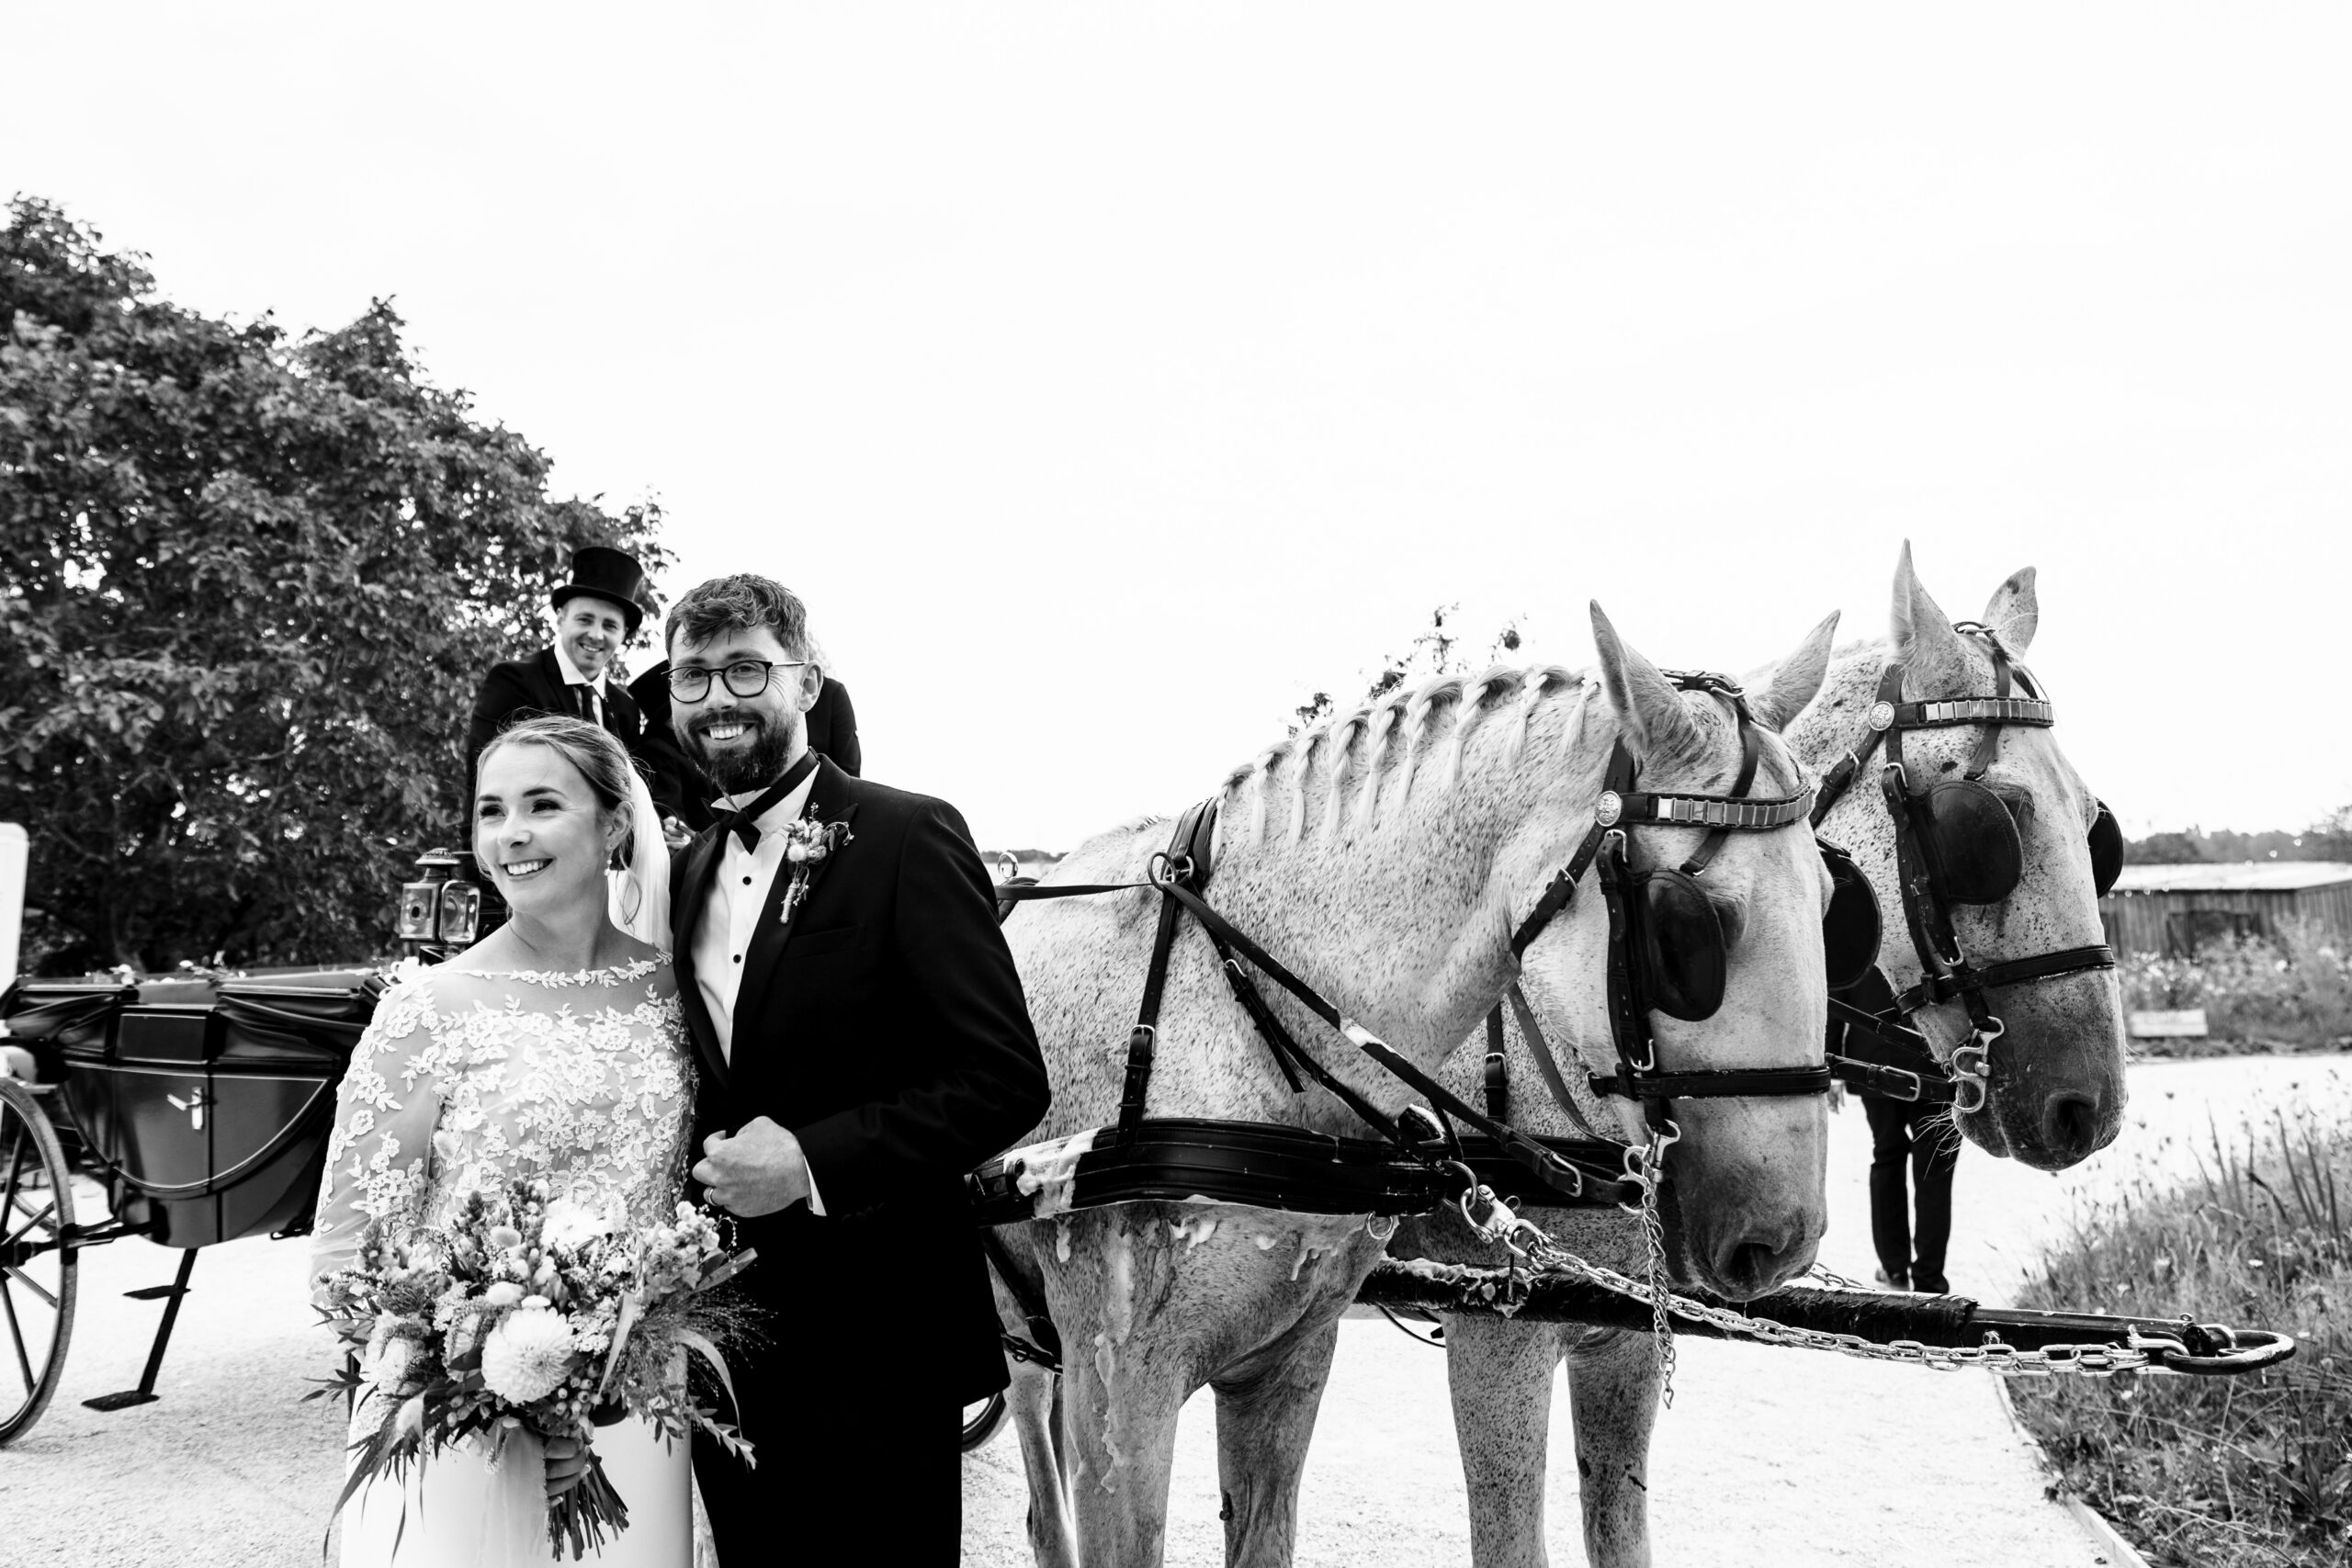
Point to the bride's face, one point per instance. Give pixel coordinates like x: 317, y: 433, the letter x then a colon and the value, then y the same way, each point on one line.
x: 539, y: 831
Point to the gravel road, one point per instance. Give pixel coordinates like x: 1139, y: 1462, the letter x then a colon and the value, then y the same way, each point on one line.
x: 229, y: 1470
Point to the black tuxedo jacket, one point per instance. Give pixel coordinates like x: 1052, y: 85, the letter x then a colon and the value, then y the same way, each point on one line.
x: 832, y: 731
x: 884, y: 1025
x: 525, y: 688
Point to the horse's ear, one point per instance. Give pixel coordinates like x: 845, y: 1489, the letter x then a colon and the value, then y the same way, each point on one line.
x: 1924, y: 641
x: 1796, y: 680
x: 2013, y: 611
x: 1657, y: 723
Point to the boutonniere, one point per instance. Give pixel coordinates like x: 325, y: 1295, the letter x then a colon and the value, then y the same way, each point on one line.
x: 806, y: 843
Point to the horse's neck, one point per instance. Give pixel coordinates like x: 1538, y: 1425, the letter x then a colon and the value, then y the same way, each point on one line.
x: 1400, y: 911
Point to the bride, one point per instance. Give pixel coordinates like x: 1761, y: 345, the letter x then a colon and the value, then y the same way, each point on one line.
x: 552, y: 1049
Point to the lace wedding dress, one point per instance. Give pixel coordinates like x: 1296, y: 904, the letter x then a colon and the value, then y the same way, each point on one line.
x: 463, y: 1082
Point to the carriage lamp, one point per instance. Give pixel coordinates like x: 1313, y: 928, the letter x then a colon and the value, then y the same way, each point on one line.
x: 439, y: 906
x: 461, y: 912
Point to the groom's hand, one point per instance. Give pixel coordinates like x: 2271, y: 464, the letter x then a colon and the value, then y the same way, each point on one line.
x: 758, y: 1171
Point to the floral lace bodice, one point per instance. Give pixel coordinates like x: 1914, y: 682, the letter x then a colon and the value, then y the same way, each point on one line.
x: 465, y: 1080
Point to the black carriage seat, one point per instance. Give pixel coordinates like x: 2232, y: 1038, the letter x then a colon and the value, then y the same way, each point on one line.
x: 206, y: 1106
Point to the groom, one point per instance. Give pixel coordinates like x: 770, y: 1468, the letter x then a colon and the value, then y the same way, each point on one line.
x: 858, y: 1056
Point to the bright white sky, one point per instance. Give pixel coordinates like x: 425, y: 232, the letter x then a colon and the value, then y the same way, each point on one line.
x: 1109, y: 378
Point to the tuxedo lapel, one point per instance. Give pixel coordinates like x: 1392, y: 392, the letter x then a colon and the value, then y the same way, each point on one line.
x: 829, y: 801
x: 687, y: 912
x: 553, y: 697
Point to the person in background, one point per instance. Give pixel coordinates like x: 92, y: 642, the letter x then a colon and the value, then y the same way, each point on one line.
x: 596, y: 615
x: 1911, y: 1139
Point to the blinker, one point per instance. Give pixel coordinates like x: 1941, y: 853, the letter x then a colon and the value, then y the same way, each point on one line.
x: 2107, y: 850
x: 1975, y: 841
x: 1850, y: 929
x: 1680, y: 946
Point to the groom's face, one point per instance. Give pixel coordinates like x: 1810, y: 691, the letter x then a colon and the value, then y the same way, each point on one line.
x: 743, y: 743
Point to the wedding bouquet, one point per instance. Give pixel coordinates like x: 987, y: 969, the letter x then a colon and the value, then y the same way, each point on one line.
x: 526, y: 1314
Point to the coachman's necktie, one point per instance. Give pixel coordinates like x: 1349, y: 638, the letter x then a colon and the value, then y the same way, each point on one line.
x: 745, y: 824
x: 587, y: 700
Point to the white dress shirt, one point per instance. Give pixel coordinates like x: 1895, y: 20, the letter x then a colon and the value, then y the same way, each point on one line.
x: 572, y: 677
x: 742, y: 886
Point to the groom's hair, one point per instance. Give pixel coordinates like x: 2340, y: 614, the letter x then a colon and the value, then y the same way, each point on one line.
x: 742, y: 603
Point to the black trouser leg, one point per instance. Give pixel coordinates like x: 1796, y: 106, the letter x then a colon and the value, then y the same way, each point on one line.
x: 873, y: 1475
x: 1935, y: 1156
x: 1890, y: 1204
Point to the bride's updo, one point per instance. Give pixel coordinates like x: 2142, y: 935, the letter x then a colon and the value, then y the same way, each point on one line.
x: 593, y: 753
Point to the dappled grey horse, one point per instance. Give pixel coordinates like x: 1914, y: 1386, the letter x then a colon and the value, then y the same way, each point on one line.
x: 2054, y: 1088
x: 1387, y: 858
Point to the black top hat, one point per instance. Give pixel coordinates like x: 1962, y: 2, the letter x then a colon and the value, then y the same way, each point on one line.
x: 608, y: 574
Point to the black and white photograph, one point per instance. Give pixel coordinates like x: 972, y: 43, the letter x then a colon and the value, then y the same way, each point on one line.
x: 1067, y: 785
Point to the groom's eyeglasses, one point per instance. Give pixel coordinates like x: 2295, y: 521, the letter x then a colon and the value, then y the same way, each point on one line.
x: 745, y: 678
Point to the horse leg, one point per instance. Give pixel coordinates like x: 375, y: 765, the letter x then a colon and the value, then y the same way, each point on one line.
x: 1500, y: 1373
x: 1613, y: 1391
x: 1265, y: 1416
x: 1119, y: 1406
x: 1033, y: 1401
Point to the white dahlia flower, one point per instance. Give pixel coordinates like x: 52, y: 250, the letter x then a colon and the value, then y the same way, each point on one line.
x: 571, y: 1224
x: 526, y: 1355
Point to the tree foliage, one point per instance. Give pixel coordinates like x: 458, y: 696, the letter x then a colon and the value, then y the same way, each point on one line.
x: 248, y: 584
x: 1436, y: 649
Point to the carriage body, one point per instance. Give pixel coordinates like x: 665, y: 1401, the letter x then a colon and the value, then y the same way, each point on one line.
x: 203, y: 1106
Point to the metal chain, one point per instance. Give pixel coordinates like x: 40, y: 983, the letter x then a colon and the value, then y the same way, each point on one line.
x: 1648, y: 1170
x: 1529, y: 1242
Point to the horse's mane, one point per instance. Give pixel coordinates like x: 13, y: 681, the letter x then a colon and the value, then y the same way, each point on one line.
x: 1384, y: 739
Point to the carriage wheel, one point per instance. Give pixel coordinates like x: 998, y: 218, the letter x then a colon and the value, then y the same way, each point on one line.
x: 982, y: 1421
x: 37, y: 1264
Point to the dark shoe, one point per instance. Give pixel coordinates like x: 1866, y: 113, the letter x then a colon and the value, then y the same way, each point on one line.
x: 1896, y: 1281
x: 1931, y: 1284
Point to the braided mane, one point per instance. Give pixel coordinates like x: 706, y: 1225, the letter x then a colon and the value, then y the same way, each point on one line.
x: 1381, y: 746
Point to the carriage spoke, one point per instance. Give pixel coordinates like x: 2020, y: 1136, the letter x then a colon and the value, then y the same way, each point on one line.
x: 47, y: 1211
x: 16, y: 1332
x: 29, y: 1282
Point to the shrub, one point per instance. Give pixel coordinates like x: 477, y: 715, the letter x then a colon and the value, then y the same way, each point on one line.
x: 2296, y: 991
x: 2221, y: 1471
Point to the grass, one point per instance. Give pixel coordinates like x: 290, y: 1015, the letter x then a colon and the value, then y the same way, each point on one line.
x: 2217, y: 1472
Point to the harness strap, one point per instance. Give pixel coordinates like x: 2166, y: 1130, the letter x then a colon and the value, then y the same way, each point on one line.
x: 1498, y: 1077
x: 1541, y: 1049
x: 1044, y: 1344
x: 1188, y: 860
x: 1720, y: 1083
x: 1965, y: 980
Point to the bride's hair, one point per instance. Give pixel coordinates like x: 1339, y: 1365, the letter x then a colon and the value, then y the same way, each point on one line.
x: 588, y: 748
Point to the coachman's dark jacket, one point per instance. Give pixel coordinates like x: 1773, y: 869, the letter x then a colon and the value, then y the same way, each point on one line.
x: 884, y: 1026
x: 526, y: 688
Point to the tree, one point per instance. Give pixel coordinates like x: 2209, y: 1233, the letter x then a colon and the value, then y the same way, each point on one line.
x: 248, y: 584
x: 1434, y: 651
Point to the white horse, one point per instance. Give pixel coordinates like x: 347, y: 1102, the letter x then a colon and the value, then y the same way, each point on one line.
x: 2056, y: 1093
x: 1387, y: 857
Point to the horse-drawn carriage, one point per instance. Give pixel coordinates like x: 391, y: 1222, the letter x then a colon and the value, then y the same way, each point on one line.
x: 192, y: 1109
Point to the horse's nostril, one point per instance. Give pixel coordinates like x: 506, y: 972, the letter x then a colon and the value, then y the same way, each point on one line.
x: 1750, y: 1268
x: 2070, y: 1125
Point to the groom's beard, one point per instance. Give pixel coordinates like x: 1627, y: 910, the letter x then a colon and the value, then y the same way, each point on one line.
x: 743, y: 768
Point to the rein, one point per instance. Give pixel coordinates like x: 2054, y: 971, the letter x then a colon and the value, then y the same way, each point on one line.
x: 1946, y: 973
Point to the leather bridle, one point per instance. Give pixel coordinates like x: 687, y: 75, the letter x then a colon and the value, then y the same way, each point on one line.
x: 1947, y: 973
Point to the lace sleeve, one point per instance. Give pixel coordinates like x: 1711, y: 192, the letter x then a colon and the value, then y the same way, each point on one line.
x: 378, y: 1154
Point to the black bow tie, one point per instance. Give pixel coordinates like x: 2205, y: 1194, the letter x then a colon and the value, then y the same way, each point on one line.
x: 745, y: 824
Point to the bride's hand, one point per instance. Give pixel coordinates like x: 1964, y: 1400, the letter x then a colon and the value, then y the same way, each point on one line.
x: 567, y: 1462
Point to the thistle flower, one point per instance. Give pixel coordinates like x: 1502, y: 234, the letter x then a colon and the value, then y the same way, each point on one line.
x: 526, y: 1355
